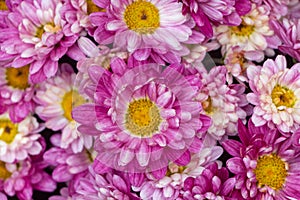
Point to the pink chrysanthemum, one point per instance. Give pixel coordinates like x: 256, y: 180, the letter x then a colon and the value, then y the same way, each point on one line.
x: 288, y: 32
x: 19, y: 140
x: 213, y: 183
x: 36, y: 38
x: 22, y: 178
x: 144, y: 117
x: 172, y: 184
x: 107, y: 186
x: 208, y: 12
x: 56, y: 97
x: 275, y: 94
x: 67, y: 163
x: 265, y: 164
x: 17, y: 93
x: 222, y: 102
x: 146, y: 28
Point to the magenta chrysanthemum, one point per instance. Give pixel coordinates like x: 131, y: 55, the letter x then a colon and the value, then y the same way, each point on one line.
x: 275, y: 94
x: 156, y: 28
x: 208, y: 12
x: 266, y: 165
x: 36, y: 38
x: 288, y: 32
x: 144, y: 117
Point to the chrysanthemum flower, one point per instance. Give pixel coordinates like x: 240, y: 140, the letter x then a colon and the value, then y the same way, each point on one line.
x: 275, y: 94
x: 265, y: 164
x: 23, y: 177
x: 66, y: 163
x: 213, y: 183
x: 107, y: 186
x: 142, y: 27
x: 172, y: 184
x: 36, y: 38
x: 237, y: 61
x: 16, y: 92
x: 208, y: 12
x: 251, y: 35
x: 222, y: 102
x: 56, y: 98
x: 144, y: 117
x: 19, y: 140
x: 287, y: 31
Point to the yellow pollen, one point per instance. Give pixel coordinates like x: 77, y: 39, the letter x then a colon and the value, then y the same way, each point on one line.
x: 142, y: 117
x: 92, y: 7
x: 4, y: 173
x: 18, y: 77
x: 71, y: 100
x: 270, y: 171
x: 142, y: 17
x: 39, y: 32
x: 3, y: 5
x: 283, y: 96
x: 242, y: 30
x: 207, y: 105
x: 8, y: 130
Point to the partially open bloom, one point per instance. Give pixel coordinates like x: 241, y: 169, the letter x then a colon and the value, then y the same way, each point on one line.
x: 144, y: 116
x: 266, y: 165
x: 213, y: 183
x: 141, y: 27
x: 21, y: 178
x: 222, y: 102
x: 287, y: 31
x: 106, y: 186
x: 16, y: 92
x: 275, y: 94
x: 19, y: 140
x: 56, y: 97
x: 36, y: 38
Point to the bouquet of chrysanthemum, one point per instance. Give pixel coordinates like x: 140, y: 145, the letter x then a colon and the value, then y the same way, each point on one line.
x: 150, y: 99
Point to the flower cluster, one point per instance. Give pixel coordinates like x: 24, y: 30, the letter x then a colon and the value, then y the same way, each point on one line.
x: 149, y: 99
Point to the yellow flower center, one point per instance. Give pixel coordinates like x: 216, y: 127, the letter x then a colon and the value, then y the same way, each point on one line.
x: 49, y: 27
x: 17, y: 77
x: 71, y: 100
x: 92, y: 8
x: 175, y: 169
x: 3, y: 5
x: 8, y: 130
x: 142, y: 117
x: 270, y: 171
x: 39, y: 31
x: 4, y: 173
x: 207, y: 105
x: 242, y: 30
x: 142, y: 17
x: 283, y: 96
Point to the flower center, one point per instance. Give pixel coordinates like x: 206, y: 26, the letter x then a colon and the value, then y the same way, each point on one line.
x: 92, y: 8
x: 4, y: 173
x: 142, y: 117
x: 270, y: 171
x: 3, y: 5
x: 242, y: 30
x: 142, y: 17
x: 282, y: 96
x: 207, y: 105
x: 8, y: 130
x: 18, y: 77
x: 71, y: 100
x: 49, y: 27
